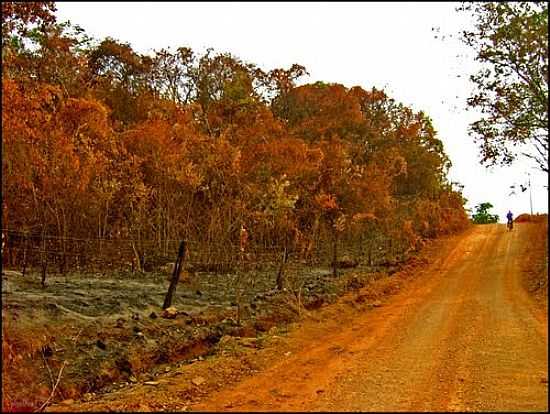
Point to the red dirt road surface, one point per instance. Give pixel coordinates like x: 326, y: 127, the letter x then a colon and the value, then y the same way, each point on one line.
x: 462, y: 335
x: 464, y: 339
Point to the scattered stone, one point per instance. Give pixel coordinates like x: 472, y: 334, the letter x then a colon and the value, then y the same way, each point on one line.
x: 167, y: 369
x: 87, y: 397
x: 288, y: 353
x: 320, y: 391
x: 151, y: 383
x: 198, y: 381
x: 153, y: 315
x: 200, y: 358
x: 376, y: 303
x: 168, y: 268
x: 170, y: 313
x: 135, y: 316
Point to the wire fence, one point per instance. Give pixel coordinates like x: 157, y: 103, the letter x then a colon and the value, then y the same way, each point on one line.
x: 288, y: 264
x: 28, y: 250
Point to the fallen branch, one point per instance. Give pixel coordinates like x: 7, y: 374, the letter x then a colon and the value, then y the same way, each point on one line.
x: 54, y: 388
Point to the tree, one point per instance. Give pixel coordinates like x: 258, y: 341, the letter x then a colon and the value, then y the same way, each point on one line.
x: 18, y: 16
x: 121, y: 78
x: 510, y: 40
x: 102, y: 142
x: 482, y: 215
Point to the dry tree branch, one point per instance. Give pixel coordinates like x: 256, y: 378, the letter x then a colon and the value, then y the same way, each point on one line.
x: 53, y: 389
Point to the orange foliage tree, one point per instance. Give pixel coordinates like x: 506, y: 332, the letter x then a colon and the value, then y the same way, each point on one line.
x: 102, y: 142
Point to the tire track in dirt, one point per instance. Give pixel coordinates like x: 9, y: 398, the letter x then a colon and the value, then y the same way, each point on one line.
x: 508, y: 355
x: 411, y: 364
x: 303, y: 377
x: 462, y: 338
x: 460, y: 335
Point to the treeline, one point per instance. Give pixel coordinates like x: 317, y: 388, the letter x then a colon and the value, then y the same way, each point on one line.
x: 102, y: 142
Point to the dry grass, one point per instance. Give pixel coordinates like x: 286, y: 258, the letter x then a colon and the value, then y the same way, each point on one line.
x: 536, y: 268
x: 26, y: 360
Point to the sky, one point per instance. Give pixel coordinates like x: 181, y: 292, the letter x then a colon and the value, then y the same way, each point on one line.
x: 388, y: 45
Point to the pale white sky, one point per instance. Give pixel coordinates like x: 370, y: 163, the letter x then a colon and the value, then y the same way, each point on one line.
x: 388, y: 45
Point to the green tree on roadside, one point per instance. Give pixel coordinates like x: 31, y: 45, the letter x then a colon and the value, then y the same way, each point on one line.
x: 482, y: 215
x: 510, y: 40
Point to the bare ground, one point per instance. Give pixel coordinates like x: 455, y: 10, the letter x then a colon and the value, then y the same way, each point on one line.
x: 106, y: 330
x: 460, y: 334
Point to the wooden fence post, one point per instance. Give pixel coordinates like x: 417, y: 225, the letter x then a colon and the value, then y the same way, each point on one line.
x: 175, y: 276
x: 281, y: 273
x: 335, y: 254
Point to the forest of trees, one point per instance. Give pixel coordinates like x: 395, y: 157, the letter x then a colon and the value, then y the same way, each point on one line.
x: 101, y: 142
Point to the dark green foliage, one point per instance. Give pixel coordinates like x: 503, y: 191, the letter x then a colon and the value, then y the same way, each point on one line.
x: 482, y: 215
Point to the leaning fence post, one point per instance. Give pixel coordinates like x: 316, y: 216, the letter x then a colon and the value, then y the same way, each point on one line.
x: 175, y: 276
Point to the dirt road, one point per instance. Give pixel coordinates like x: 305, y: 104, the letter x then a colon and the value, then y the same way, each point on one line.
x: 467, y: 338
x: 461, y: 336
